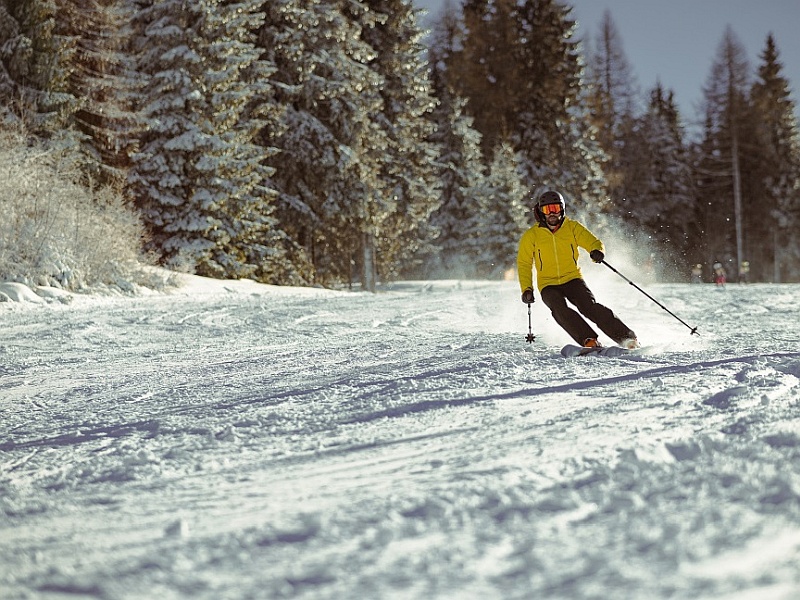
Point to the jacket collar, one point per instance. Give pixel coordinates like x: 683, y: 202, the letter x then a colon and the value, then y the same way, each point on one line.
x: 553, y: 231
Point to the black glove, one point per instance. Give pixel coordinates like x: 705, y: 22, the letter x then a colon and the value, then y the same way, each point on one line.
x: 527, y: 296
x: 597, y: 256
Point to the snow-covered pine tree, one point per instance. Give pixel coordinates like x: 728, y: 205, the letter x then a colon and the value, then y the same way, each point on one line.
x: 238, y: 82
x: 198, y: 177
x: 483, y: 69
x: 408, y: 172
x: 100, y: 83
x: 719, y: 160
x: 459, y: 161
x: 520, y: 67
x: 657, y: 194
x: 445, y: 41
x: 778, y: 175
x: 611, y: 101
x: 462, y: 172
x: 34, y: 68
x: 328, y: 170
x: 282, y: 42
x: 503, y: 214
x: 551, y: 128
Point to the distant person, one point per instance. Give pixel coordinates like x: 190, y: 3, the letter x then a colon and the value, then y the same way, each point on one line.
x: 697, y: 274
x: 744, y: 272
x: 650, y: 265
x: 720, y: 276
x: 551, y: 248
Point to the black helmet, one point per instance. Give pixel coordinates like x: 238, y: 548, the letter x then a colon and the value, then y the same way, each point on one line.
x: 549, y: 197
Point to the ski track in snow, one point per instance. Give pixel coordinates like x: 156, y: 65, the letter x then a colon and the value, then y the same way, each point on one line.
x: 243, y: 441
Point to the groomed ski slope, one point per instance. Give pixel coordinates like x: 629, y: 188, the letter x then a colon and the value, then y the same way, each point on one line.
x: 230, y: 440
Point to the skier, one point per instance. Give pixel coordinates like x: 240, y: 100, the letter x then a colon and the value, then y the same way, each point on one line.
x: 552, y: 246
x: 697, y: 273
x: 744, y: 272
x: 720, y: 276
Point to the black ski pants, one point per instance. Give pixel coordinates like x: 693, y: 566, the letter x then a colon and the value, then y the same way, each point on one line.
x: 579, y: 294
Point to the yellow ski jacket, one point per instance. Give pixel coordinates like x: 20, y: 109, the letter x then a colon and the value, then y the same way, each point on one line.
x: 554, y: 255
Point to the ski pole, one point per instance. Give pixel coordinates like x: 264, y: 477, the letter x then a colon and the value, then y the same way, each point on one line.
x: 530, y: 337
x: 693, y: 329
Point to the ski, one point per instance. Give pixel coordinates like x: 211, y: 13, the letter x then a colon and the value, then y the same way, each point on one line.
x: 571, y: 350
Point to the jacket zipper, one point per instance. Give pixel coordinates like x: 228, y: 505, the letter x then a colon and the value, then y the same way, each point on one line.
x: 555, y: 255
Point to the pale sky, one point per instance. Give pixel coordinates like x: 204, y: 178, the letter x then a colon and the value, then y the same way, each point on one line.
x: 676, y: 41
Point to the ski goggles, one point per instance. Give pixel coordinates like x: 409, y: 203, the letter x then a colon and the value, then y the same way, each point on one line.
x: 550, y: 209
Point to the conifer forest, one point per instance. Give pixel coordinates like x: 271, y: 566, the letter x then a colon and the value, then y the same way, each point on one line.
x: 337, y: 142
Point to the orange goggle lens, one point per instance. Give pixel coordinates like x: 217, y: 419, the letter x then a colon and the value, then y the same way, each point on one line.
x: 551, y: 209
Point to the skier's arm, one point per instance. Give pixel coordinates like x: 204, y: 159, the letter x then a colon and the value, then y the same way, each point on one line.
x: 525, y: 262
x: 586, y: 239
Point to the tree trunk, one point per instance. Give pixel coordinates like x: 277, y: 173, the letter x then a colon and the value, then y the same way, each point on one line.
x: 737, y: 200
x: 369, y: 271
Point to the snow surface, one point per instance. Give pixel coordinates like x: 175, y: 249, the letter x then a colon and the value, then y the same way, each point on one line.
x: 236, y: 440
